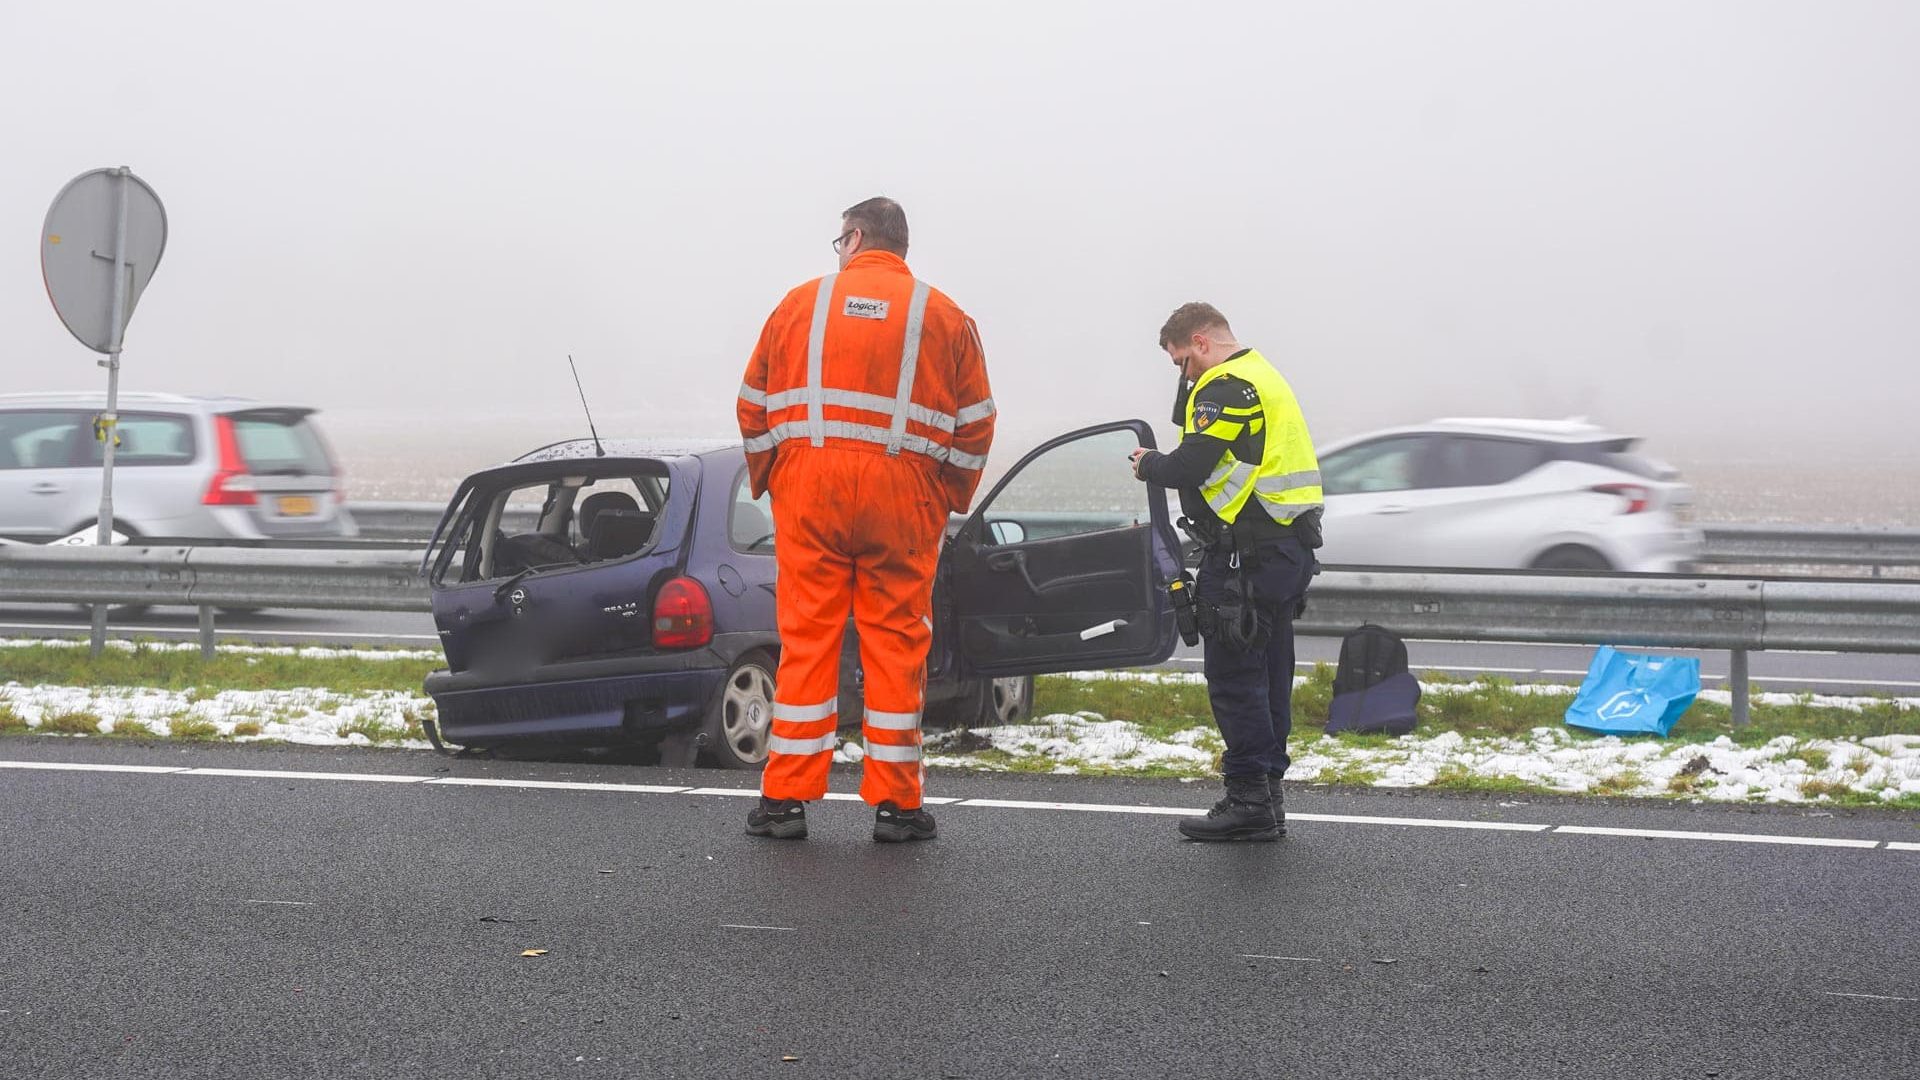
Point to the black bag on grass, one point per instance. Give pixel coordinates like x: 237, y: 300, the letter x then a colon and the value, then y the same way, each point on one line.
x: 1373, y: 692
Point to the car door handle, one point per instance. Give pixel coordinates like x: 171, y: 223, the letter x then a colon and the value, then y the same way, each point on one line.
x: 1393, y: 510
x: 1010, y: 562
x: 47, y: 488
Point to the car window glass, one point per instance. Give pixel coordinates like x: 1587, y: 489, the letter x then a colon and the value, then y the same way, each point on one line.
x: 1390, y: 464
x: 40, y: 439
x: 1079, y: 487
x: 280, y: 444
x: 750, y: 520
x: 148, y: 439
x: 1475, y: 462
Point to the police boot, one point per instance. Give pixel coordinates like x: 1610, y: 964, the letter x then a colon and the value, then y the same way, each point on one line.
x: 1245, y: 814
x: 1279, y: 810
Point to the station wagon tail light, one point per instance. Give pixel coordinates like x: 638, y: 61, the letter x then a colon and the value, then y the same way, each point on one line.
x: 682, y: 615
x: 1636, y: 496
x: 231, y: 486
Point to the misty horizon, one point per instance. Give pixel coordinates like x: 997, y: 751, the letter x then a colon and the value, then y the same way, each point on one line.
x: 1690, y: 222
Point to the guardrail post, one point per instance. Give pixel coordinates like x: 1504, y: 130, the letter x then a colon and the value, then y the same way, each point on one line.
x: 206, y: 631
x: 1738, y: 678
x: 97, y: 641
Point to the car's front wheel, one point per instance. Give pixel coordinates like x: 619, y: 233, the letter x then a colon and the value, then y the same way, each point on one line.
x: 740, y: 720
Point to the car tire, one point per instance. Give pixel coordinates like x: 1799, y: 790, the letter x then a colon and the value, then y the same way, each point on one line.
x: 986, y: 703
x: 1572, y: 557
x: 739, y: 723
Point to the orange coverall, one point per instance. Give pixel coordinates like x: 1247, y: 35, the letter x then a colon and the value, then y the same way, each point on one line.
x: 866, y: 412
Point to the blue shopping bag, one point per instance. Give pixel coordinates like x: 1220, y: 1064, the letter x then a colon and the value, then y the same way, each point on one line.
x: 1630, y: 694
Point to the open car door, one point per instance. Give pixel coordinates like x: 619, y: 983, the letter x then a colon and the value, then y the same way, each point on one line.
x: 1064, y: 566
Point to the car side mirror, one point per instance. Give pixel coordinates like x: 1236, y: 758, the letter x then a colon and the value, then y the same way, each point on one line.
x: 1008, y: 532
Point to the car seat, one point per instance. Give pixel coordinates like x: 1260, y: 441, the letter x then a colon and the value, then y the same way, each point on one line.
x: 590, y: 508
x: 619, y: 533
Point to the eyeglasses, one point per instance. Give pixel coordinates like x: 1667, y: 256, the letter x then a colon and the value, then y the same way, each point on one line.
x: 841, y: 242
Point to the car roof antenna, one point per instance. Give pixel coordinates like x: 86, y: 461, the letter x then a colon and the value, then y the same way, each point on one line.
x: 598, y: 450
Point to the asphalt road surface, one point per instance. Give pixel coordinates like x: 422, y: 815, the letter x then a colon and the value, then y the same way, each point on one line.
x: 1788, y: 672
x: 253, y: 911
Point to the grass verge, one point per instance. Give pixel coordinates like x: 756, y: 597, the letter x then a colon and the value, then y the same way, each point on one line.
x: 183, y: 669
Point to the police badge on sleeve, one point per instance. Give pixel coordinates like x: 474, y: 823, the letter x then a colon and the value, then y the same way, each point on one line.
x: 1204, y: 414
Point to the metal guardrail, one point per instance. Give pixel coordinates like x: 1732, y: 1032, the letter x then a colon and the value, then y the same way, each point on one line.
x: 215, y: 577
x: 1812, y: 545
x: 1727, y: 545
x: 1737, y: 614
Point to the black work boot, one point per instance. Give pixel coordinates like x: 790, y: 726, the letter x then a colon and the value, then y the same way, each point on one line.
x: 1279, y: 810
x: 782, y: 819
x: 892, y: 825
x: 1245, y: 814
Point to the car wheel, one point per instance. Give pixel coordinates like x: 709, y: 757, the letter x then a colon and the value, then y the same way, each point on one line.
x: 986, y: 703
x: 1572, y: 557
x: 740, y: 721
x: 1009, y: 700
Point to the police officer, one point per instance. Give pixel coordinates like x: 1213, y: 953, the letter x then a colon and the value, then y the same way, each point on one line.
x: 1250, y: 491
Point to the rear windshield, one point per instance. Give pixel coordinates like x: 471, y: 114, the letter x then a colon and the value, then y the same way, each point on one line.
x: 280, y: 444
x: 544, y: 523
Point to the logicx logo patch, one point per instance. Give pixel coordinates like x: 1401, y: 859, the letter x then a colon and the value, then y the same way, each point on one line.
x: 860, y: 307
x: 1204, y: 414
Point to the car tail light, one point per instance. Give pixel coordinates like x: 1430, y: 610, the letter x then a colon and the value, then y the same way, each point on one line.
x: 230, y: 485
x: 1637, y: 496
x: 682, y: 615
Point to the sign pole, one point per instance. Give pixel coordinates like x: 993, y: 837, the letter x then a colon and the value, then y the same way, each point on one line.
x: 106, y: 429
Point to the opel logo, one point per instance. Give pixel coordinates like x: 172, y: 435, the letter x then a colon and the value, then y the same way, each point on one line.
x: 518, y: 596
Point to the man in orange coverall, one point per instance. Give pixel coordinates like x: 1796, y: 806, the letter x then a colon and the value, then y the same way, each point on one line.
x: 866, y: 412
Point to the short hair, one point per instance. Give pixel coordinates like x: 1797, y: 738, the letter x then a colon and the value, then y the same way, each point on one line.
x: 1189, y: 319
x: 881, y: 222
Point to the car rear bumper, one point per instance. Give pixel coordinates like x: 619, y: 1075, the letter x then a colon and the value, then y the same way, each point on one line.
x: 1659, y: 551
x: 584, y: 701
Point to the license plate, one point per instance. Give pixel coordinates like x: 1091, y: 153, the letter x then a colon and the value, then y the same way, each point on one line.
x: 297, y: 506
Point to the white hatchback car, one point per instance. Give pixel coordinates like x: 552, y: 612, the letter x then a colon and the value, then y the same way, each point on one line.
x: 1513, y: 494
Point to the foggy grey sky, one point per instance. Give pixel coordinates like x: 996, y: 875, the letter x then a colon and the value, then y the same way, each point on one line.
x: 1696, y: 221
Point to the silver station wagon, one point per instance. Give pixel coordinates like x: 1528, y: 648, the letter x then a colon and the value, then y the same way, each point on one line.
x: 184, y: 467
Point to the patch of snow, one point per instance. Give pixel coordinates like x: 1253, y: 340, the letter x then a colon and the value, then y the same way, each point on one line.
x: 314, y: 717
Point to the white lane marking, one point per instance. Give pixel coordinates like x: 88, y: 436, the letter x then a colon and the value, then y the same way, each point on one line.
x: 1830, y: 682
x: 287, y: 903
x: 847, y: 796
x: 1006, y: 804
x: 1021, y: 804
x: 559, y: 785
x: 66, y: 766
x: 275, y: 774
x: 1295, y: 959
x: 1438, y: 823
x: 1875, y: 997
x: 1738, y: 838
x: 741, y: 926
